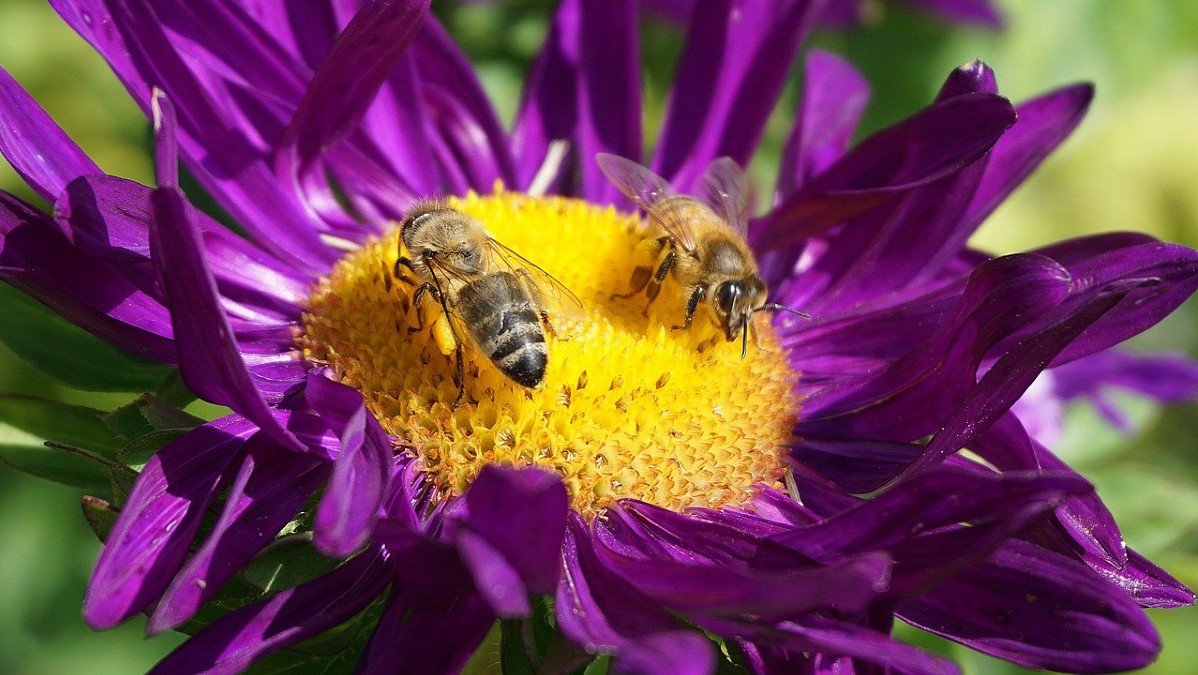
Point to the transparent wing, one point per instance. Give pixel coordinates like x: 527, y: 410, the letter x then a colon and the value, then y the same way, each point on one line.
x: 549, y: 290
x: 725, y: 189
x: 651, y: 192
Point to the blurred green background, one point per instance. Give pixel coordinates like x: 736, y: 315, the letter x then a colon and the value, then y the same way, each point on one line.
x: 1132, y: 165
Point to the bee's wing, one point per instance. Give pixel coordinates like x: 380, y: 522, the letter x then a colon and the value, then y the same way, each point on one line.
x: 547, y: 288
x: 648, y: 191
x: 725, y: 189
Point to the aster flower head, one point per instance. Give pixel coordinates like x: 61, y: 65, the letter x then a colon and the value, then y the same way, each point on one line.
x: 658, y: 491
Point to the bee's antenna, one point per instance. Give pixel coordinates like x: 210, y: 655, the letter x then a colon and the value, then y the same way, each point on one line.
x: 775, y: 307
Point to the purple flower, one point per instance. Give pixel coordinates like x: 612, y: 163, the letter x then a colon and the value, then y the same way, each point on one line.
x: 450, y: 516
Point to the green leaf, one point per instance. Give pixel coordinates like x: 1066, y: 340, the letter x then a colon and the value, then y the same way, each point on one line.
x: 289, y: 561
x: 99, y: 514
x: 28, y: 453
x: 69, y: 353
x: 72, y: 425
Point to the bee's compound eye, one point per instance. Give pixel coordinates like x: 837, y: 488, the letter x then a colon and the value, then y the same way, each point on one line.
x: 726, y: 296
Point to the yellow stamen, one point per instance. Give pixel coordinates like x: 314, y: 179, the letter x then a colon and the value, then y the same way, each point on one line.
x: 629, y: 407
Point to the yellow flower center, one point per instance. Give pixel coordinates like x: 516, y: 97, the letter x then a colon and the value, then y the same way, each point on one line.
x: 629, y: 406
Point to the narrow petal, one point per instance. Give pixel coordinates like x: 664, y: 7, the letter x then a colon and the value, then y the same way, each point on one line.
x: 1043, y: 124
x: 733, y: 66
x: 37, y: 148
x: 834, y: 96
x: 1006, y: 381
x: 548, y: 108
x: 131, y: 37
x: 609, y: 90
x: 825, y: 636
x: 1159, y: 276
x: 349, y: 79
x: 597, y: 609
x: 981, y: 12
x: 1038, y: 609
x: 704, y: 587
x: 934, y: 143
x: 159, y: 520
x: 999, y: 299
x: 460, y: 110
x: 361, y: 473
x: 1149, y: 585
x: 521, y: 515
x: 209, y: 360
x: 422, y: 637
x: 270, y: 488
x: 972, y: 77
x: 94, y: 295
x: 235, y: 641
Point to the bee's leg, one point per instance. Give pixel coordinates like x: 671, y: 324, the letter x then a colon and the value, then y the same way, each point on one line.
x: 642, y: 276
x: 692, y: 306
x: 654, y: 287
x: 459, y: 374
x: 416, y: 298
x: 400, y: 274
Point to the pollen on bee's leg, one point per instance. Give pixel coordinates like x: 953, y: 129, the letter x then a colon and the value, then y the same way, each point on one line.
x: 627, y: 407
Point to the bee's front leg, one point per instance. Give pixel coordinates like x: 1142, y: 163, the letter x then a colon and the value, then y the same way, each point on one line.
x: 417, y: 297
x: 692, y: 306
x: 406, y: 264
x: 459, y: 374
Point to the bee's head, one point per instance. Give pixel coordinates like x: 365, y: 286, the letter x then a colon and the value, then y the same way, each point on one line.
x: 734, y: 302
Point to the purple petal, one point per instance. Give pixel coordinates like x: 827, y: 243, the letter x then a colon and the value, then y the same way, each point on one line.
x: 235, y: 641
x: 132, y: 39
x: 819, y: 635
x: 972, y: 77
x: 1043, y: 124
x: 423, y: 637
x: 601, y: 612
x: 37, y: 259
x: 706, y: 587
x: 1000, y: 297
x: 679, y: 653
x: 159, y: 520
x: 361, y: 473
x: 349, y: 79
x: 1006, y: 381
x: 937, y: 142
x: 735, y: 62
x: 1168, y: 378
x: 834, y: 96
x: 609, y: 91
x: 1147, y: 584
x: 37, y: 148
x: 269, y: 490
x: 549, y: 106
x: 1038, y: 609
x: 520, y: 517
x: 926, y: 503
x: 1160, y: 277
x: 460, y: 109
x: 209, y: 360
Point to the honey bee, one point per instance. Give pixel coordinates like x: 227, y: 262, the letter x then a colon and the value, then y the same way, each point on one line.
x: 701, y: 242
x: 486, y: 290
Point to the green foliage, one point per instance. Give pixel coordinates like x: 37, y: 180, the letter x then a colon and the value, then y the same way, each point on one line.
x: 68, y: 353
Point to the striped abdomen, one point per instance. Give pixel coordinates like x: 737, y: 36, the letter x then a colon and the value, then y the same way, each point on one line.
x: 506, y: 325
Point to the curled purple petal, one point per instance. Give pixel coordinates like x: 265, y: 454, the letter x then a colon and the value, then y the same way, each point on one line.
x: 515, y: 521
x: 270, y: 488
x: 161, y: 516
x: 236, y: 640
x: 361, y: 472
x: 1038, y: 609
